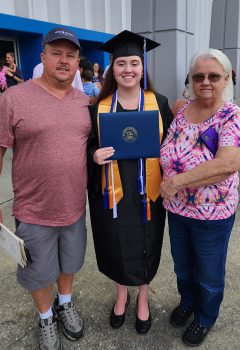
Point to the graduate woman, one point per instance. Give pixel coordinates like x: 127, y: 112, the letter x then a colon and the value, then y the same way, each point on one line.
x: 127, y: 222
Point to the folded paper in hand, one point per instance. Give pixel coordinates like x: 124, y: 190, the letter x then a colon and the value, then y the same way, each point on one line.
x: 13, y: 245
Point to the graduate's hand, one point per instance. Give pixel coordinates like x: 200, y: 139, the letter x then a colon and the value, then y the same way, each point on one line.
x: 101, y: 155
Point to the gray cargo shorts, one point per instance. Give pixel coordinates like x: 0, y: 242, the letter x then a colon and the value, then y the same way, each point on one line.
x: 53, y: 250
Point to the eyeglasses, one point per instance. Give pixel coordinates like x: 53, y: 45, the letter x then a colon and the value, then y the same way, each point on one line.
x: 212, y: 77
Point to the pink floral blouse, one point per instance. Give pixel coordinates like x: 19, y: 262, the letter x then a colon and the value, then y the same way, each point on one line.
x: 182, y: 150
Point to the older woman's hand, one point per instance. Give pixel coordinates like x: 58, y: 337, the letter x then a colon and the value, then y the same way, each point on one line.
x: 101, y: 154
x: 169, y: 188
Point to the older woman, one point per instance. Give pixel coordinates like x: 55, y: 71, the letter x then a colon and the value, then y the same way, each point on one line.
x: 200, y: 158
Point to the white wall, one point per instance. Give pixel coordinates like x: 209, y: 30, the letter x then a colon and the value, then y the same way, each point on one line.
x: 111, y: 16
x: 203, y: 24
x: 182, y: 27
x: 198, y: 18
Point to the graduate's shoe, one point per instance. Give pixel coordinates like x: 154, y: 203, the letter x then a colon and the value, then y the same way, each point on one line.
x: 48, y: 336
x: 179, y: 317
x: 141, y: 326
x: 73, y: 325
x: 116, y: 321
x: 195, y: 334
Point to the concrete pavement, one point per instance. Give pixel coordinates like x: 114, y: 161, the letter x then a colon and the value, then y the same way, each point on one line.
x: 94, y: 295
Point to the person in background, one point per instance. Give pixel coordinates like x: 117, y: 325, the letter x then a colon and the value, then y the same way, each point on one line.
x: 128, y: 247
x: 3, y: 72
x: 234, y: 78
x: 201, y: 158
x: 46, y: 122
x: 85, y: 64
x: 14, y: 74
x: 97, y: 75
x: 89, y: 87
x: 76, y: 83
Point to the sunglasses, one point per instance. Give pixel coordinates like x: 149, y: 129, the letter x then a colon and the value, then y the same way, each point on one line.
x: 212, y: 77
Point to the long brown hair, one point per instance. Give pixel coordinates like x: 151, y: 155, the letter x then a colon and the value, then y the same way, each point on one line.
x: 110, y: 84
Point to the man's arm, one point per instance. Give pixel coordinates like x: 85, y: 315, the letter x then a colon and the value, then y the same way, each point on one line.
x: 2, y: 152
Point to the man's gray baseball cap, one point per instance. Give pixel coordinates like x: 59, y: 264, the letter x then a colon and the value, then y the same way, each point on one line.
x: 60, y: 33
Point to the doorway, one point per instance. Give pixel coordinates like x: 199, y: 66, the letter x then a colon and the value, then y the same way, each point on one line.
x: 8, y: 45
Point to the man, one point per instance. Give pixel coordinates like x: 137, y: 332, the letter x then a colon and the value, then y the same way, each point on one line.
x: 47, y: 124
x: 89, y: 87
x: 76, y: 83
x: 14, y: 74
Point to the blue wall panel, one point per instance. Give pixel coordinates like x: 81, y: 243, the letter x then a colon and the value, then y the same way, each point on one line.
x: 29, y: 34
x: 30, y: 47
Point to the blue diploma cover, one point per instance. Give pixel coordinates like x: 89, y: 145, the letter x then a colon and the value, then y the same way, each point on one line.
x: 133, y: 135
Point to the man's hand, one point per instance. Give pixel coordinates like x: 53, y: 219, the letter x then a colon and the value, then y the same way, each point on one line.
x: 101, y: 154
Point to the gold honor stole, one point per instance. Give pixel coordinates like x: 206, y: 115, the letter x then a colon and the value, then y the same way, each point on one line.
x: 153, y: 173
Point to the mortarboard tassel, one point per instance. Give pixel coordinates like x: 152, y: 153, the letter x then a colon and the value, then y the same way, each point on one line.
x: 105, y: 199
x: 144, y: 206
x: 144, y: 64
x: 140, y: 161
x: 105, y: 194
x: 148, y: 209
x: 110, y: 197
x: 115, y: 210
x: 114, y: 203
x: 140, y: 176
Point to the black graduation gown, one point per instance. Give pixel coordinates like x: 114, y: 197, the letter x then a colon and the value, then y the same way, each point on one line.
x: 127, y: 251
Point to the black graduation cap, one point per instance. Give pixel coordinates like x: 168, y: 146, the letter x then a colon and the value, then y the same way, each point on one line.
x: 128, y: 43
